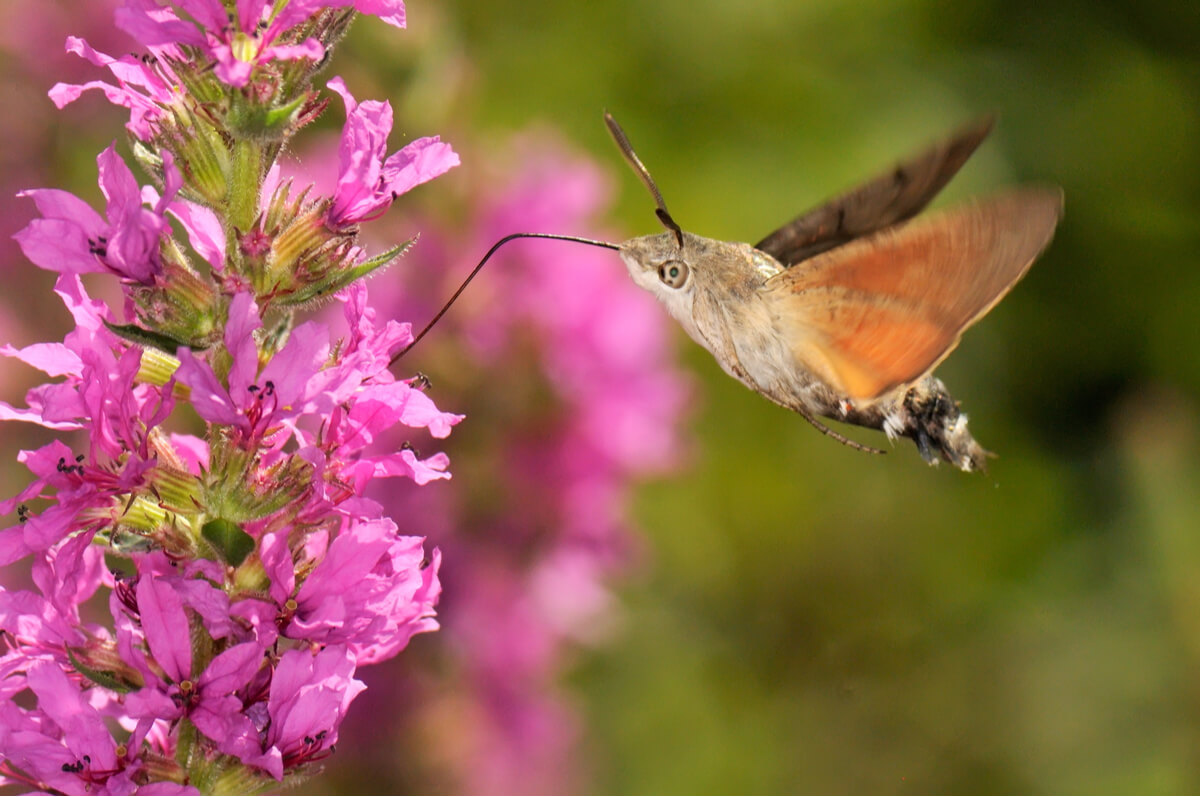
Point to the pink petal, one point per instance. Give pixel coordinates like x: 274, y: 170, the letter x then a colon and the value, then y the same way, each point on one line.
x: 208, y: 396
x: 277, y: 561
x: 420, y: 161
x: 204, y: 230
x: 54, y: 359
x: 165, y: 625
x: 82, y: 726
x: 153, y: 25
x: 239, y: 340
x: 309, y: 48
x: 390, y: 11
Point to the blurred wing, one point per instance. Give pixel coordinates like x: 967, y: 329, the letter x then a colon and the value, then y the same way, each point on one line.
x: 882, y: 311
x: 888, y: 199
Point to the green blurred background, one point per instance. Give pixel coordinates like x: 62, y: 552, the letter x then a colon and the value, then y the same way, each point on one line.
x: 808, y: 618
x: 814, y: 619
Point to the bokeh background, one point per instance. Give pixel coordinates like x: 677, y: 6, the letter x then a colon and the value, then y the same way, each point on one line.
x: 792, y: 615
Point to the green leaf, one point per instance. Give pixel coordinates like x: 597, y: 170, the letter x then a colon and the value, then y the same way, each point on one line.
x: 227, y: 537
x: 146, y: 337
x: 105, y: 678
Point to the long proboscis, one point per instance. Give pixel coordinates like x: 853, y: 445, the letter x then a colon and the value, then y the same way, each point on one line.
x: 548, y: 235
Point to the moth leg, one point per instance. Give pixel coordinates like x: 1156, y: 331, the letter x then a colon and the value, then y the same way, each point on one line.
x: 825, y: 430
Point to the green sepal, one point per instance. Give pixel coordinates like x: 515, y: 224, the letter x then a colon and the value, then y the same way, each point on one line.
x: 231, y: 776
x: 233, y: 544
x: 105, y: 678
x: 145, y: 337
x: 185, y: 747
x: 340, y: 279
x: 248, y: 120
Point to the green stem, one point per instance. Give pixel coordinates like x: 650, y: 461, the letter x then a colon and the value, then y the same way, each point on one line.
x: 186, y: 743
x: 245, y: 183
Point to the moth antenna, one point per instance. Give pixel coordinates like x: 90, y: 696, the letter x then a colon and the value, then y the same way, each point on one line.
x: 825, y: 430
x: 474, y: 271
x: 626, y: 148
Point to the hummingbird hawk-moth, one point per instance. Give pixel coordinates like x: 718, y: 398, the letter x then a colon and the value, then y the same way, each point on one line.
x: 844, y: 312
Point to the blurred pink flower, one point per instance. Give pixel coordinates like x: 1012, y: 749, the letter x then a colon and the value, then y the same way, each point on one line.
x: 604, y: 351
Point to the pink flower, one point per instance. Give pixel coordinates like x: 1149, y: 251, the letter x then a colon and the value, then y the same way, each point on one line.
x: 309, y: 697
x: 97, y: 394
x: 242, y: 42
x: 71, y: 238
x: 38, y: 625
x: 144, y: 86
x: 357, y: 396
x: 257, y: 403
x: 209, y: 698
x: 380, y: 403
x: 98, y: 388
x: 237, y: 44
x: 371, y: 590
x: 64, y: 744
x: 367, y: 183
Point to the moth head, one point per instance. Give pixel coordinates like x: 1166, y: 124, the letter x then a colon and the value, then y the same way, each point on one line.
x: 660, y: 265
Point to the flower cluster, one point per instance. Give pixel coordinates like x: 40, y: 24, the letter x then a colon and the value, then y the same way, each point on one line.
x: 247, y: 575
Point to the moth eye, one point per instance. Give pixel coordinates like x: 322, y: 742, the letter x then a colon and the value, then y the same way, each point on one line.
x: 673, y: 273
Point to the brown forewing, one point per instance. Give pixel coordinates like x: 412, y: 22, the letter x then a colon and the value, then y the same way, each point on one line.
x: 883, y: 310
x: 888, y: 199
